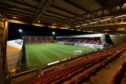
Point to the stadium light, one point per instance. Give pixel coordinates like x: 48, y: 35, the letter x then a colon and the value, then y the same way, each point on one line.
x: 53, y: 33
x: 20, y: 30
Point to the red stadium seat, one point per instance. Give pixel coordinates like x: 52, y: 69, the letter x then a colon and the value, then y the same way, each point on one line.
x: 78, y: 67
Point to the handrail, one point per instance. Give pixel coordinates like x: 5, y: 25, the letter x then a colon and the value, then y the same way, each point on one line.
x: 19, y: 77
x: 23, y: 73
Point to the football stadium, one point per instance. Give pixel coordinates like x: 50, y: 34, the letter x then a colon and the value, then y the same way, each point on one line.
x: 36, y: 53
x: 62, y: 42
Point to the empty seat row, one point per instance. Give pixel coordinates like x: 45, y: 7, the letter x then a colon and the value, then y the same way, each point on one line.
x: 120, y: 76
x: 77, y: 78
x: 64, y: 72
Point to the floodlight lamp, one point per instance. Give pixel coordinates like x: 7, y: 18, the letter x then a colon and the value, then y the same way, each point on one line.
x: 20, y: 30
x: 53, y: 33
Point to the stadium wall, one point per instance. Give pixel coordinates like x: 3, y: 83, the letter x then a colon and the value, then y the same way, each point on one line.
x: 118, y: 39
x: 105, y: 38
x: 37, y: 39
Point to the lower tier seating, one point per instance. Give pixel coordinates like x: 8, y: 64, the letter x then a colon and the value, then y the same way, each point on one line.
x: 120, y: 77
x: 79, y: 68
x: 77, y: 78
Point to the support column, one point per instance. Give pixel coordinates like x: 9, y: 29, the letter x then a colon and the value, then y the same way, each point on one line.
x: 3, y: 42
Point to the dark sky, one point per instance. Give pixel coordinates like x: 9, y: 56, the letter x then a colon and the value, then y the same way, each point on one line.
x: 36, y: 31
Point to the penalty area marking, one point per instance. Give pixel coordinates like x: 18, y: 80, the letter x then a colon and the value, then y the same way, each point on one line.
x: 53, y: 63
x: 77, y: 52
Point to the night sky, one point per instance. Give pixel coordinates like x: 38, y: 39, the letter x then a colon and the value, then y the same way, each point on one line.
x: 29, y: 30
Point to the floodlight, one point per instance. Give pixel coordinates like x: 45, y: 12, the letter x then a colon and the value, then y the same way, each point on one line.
x: 20, y: 30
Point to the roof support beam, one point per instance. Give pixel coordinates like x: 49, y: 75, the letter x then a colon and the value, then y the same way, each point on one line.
x: 63, y: 10
x: 15, y: 13
x: 11, y: 4
x: 55, y: 20
x: 20, y: 18
x: 25, y: 3
x: 61, y: 18
x: 58, y: 18
x: 15, y: 9
x: 83, y: 9
x: 58, y: 14
x: 42, y: 7
x: 100, y: 2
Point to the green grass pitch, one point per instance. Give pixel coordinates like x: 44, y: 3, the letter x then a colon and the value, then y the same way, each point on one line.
x: 40, y: 54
